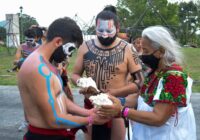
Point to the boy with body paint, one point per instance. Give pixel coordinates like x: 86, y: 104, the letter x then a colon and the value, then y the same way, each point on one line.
x: 49, y: 112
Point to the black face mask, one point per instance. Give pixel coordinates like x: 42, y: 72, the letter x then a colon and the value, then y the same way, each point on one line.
x: 58, y: 55
x: 151, y: 61
x: 106, y: 41
x: 62, y: 52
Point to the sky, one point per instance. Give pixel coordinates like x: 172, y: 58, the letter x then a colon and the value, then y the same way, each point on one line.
x: 46, y: 11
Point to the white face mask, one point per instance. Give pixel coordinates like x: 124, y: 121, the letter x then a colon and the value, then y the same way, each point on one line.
x: 105, y: 28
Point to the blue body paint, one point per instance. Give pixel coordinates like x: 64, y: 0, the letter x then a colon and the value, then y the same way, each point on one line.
x: 59, y: 120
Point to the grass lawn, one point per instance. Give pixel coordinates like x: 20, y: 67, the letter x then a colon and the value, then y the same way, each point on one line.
x: 192, y: 65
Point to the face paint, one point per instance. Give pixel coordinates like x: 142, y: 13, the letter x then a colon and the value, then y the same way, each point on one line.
x: 106, y: 32
x: 69, y: 48
x: 30, y: 41
x: 63, y: 52
x: 105, y: 28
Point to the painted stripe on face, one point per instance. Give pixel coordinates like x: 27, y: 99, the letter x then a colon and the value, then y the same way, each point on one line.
x: 105, y: 28
x: 59, y: 121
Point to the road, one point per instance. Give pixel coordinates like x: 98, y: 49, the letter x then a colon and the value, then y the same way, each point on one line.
x: 11, y: 112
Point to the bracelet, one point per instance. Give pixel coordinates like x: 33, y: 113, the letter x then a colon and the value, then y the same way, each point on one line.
x: 90, y: 120
x: 124, y: 112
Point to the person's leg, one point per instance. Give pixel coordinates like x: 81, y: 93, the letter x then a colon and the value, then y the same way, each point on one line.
x: 101, y: 132
x: 88, y: 134
x: 118, y: 130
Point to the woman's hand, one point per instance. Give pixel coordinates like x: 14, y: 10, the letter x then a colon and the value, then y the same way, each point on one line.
x: 111, y: 110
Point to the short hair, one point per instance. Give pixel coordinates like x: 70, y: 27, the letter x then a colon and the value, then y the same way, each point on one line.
x: 67, y: 29
x: 39, y: 31
x: 161, y: 37
x: 30, y: 33
x: 108, y: 15
x: 110, y: 8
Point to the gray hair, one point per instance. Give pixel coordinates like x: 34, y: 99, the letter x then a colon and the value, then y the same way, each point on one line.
x: 160, y: 37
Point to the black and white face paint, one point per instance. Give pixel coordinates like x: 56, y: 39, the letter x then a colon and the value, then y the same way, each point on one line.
x: 63, y: 52
x: 30, y: 41
x: 106, y: 32
x: 69, y: 48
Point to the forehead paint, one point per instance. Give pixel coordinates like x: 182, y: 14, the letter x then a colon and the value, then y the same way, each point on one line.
x: 105, y: 24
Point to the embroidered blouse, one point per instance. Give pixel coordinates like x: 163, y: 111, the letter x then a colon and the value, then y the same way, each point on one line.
x: 171, y: 83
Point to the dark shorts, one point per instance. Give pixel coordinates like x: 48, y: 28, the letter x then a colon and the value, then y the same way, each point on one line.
x: 35, y: 133
x: 99, y: 132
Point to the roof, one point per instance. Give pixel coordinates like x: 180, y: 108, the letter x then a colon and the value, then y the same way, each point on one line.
x: 2, y: 23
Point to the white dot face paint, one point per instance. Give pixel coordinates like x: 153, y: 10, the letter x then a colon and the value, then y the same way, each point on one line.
x: 105, y: 28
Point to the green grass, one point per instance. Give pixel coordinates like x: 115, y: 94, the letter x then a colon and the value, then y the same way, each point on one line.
x: 192, y: 65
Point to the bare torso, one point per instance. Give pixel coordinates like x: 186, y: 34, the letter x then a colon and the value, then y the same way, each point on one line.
x: 108, y: 67
x: 34, y: 66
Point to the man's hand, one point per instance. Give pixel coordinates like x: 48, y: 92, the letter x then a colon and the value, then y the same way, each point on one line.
x: 88, y: 91
x: 98, y: 120
x: 87, y: 85
x: 111, y: 110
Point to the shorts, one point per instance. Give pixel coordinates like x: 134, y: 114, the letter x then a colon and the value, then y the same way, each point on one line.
x: 35, y: 133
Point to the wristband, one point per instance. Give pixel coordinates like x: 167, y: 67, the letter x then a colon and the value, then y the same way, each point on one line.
x: 124, y: 112
x: 90, y: 120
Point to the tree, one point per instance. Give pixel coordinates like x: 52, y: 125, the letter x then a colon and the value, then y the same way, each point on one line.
x: 189, y: 21
x: 138, y: 14
x: 2, y: 34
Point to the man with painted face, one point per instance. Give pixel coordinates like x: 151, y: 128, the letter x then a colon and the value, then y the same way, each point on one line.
x: 108, y: 60
x: 49, y: 112
x: 25, y: 49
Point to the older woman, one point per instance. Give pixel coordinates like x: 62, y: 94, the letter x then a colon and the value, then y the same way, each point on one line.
x: 164, y: 110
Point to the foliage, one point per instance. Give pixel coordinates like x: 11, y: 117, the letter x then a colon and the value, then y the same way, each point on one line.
x: 138, y: 14
x: 2, y: 34
x: 91, y: 30
x: 182, y: 18
x: 189, y: 21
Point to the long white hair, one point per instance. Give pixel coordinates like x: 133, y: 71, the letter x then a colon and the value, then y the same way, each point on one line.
x: 160, y: 36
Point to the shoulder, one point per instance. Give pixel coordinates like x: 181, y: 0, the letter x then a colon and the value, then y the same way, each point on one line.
x: 83, y: 47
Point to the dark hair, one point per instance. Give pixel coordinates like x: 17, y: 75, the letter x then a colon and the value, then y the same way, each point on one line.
x: 39, y: 31
x: 108, y: 15
x: 110, y: 8
x: 67, y: 29
x: 30, y: 33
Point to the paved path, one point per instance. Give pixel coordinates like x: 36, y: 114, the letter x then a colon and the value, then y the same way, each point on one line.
x: 11, y: 113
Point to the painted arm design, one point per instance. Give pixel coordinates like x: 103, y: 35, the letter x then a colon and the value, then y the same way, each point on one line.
x: 51, y: 101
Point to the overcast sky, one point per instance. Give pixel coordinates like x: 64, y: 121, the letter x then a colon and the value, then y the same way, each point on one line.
x: 45, y: 11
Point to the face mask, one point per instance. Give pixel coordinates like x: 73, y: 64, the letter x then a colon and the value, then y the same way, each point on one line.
x: 106, y: 41
x: 151, y: 61
x: 63, y: 52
